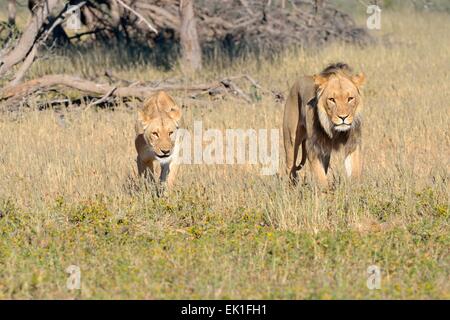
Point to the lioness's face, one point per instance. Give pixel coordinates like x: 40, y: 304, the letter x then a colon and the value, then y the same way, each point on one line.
x: 341, y: 101
x: 160, y: 135
x: 159, y: 118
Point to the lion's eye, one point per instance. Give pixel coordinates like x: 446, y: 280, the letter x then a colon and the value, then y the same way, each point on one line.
x: 155, y: 134
x: 170, y: 133
x: 350, y: 99
x: 332, y: 100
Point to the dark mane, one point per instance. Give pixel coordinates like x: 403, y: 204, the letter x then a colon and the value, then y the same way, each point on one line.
x: 335, y: 68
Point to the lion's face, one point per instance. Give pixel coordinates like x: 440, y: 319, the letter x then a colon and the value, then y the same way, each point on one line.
x: 339, y: 101
x: 160, y: 122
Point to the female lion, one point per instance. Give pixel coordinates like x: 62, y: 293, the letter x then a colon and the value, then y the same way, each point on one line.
x: 156, y: 142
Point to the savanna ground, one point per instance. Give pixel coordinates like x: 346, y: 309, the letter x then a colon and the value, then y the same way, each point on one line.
x: 228, y: 232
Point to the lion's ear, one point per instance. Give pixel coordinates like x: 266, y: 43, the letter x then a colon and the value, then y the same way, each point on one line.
x: 359, y: 79
x: 319, y: 80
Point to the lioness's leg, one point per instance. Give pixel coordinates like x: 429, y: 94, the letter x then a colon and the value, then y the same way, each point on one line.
x: 173, y: 168
x: 166, y: 169
x: 167, y: 177
x: 141, y: 167
x: 353, y: 163
x: 145, y: 169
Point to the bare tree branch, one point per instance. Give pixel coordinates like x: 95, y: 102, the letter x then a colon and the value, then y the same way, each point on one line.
x: 115, y: 12
x: 247, y: 7
x: 20, y: 74
x: 32, y: 54
x: 12, y: 12
x: 142, y: 19
x: 26, y: 42
x: 103, y: 99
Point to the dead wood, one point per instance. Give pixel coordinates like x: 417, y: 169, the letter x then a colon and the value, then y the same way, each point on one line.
x: 41, y: 39
x: 12, y: 11
x: 12, y: 94
x: 40, y: 14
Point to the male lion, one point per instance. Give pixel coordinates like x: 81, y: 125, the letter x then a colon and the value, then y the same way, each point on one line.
x: 322, y: 113
x: 156, y: 137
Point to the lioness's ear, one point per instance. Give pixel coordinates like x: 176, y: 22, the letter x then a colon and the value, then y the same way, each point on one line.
x: 143, y: 117
x: 174, y: 113
x: 319, y: 80
x: 147, y: 111
x: 164, y: 101
x: 359, y: 79
x: 167, y: 104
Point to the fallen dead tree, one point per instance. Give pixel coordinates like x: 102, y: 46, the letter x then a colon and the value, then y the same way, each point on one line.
x: 15, y: 94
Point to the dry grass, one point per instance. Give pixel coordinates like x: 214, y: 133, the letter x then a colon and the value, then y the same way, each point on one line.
x: 228, y: 232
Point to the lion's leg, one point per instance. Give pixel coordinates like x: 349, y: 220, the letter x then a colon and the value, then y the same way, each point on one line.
x: 319, y: 172
x: 291, y: 130
x: 292, y: 145
x: 289, y: 140
x: 319, y: 166
x: 304, y: 155
x: 353, y: 163
x: 299, y: 140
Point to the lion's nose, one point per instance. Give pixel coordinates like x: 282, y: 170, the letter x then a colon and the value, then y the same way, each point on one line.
x: 165, y: 151
x: 343, y: 117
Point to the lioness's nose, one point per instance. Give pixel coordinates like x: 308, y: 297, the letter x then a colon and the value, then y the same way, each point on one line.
x: 165, y: 151
x: 343, y: 117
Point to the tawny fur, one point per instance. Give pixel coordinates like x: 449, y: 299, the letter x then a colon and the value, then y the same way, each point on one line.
x: 155, y: 141
x: 322, y: 114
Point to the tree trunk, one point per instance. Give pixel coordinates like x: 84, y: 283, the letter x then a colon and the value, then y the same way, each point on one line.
x: 12, y: 12
x: 190, y: 47
x: 115, y: 12
x: 28, y: 38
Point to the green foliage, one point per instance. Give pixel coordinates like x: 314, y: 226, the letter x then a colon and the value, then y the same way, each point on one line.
x: 206, y: 254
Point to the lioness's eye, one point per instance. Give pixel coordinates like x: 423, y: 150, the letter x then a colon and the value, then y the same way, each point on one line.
x: 350, y: 98
x: 331, y: 99
x: 170, y: 133
x: 155, y: 134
